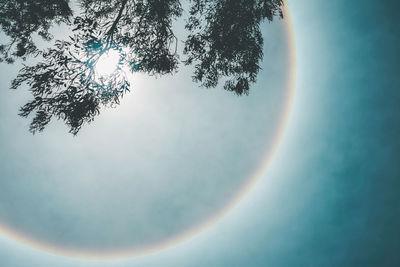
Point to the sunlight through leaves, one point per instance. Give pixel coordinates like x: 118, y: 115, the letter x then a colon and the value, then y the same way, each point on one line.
x: 108, y: 63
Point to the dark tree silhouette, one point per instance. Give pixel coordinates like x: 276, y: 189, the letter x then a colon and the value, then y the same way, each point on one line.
x: 20, y: 19
x: 224, y: 42
x: 64, y: 83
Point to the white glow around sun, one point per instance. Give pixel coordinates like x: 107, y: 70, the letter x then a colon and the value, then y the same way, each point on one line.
x: 107, y: 63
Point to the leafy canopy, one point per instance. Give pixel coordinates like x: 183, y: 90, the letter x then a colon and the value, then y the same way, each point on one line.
x: 224, y: 42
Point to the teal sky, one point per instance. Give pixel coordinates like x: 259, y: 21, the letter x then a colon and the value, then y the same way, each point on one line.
x: 330, y: 196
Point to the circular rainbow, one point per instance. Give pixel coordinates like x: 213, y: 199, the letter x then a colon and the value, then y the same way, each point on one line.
x: 254, y: 177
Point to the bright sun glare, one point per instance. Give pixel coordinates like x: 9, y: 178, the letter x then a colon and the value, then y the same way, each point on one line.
x: 107, y: 63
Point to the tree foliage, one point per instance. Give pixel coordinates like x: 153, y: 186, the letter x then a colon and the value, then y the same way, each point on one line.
x: 224, y: 43
x: 20, y: 19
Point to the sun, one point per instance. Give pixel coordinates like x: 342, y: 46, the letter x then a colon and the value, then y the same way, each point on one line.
x: 107, y: 63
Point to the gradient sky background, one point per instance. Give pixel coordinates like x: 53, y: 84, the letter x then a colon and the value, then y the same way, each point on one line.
x: 330, y: 196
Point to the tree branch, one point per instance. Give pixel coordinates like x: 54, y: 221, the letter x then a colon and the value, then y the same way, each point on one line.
x: 110, y: 32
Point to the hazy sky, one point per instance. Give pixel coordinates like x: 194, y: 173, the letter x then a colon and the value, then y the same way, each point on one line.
x: 328, y: 198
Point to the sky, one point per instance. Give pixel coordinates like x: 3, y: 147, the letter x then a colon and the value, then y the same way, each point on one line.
x: 328, y: 197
